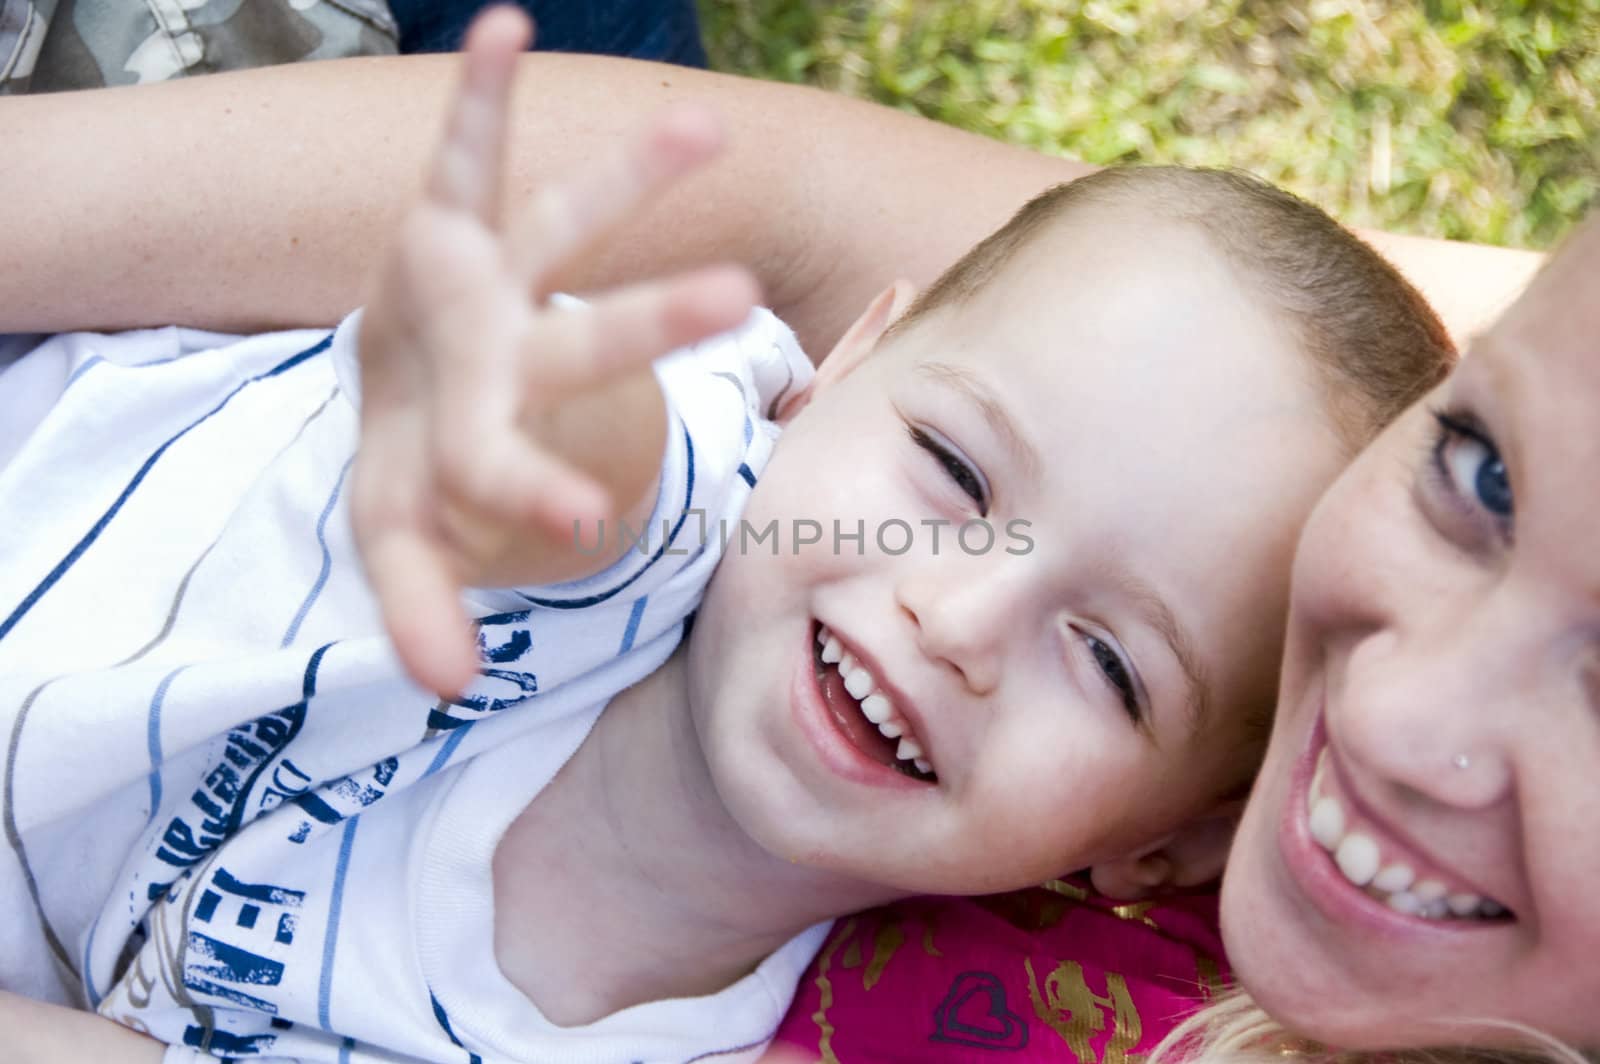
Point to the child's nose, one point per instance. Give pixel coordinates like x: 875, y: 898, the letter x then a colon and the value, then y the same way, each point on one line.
x: 962, y: 615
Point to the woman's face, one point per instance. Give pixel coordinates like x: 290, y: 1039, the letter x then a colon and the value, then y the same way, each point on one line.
x: 1422, y: 850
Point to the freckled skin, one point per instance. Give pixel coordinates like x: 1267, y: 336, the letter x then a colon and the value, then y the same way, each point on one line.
x: 1425, y: 626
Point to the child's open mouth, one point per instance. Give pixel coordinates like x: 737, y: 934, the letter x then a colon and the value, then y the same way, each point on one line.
x: 866, y: 715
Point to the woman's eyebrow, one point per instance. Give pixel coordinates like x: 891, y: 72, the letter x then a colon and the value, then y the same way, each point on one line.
x: 972, y: 388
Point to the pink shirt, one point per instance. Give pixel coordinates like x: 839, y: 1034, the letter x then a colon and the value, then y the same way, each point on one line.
x: 1049, y: 974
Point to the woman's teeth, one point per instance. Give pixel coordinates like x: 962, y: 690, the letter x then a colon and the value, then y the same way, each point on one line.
x: 1358, y: 856
x: 875, y: 706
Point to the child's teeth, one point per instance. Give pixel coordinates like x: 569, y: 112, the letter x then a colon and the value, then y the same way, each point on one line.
x: 1357, y: 858
x: 876, y: 708
x: 1491, y: 909
x: 1395, y: 877
x: 1327, y: 822
x: 1463, y: 904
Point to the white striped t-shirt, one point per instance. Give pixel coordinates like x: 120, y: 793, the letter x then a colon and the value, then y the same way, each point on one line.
x: 229, y: 819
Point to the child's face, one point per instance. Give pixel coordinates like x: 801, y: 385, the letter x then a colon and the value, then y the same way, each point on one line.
x: 1079, y: 687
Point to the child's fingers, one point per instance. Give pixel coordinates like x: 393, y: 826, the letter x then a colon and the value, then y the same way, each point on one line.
x: 572, y: 212
x: 421, y: 610
x: 629, y: 327
x: 466, y: 169
x: 509, y: 482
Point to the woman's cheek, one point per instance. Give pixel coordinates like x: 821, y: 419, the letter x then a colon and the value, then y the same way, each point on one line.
x: 1358, y: 545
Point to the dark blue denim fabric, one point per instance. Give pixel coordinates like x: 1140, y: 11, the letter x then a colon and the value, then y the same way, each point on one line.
x: 667, y: 30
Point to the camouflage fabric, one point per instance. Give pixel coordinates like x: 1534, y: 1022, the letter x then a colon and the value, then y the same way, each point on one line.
x: 47, y: 45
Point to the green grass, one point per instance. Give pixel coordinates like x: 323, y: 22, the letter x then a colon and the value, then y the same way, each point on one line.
x: 1444, y: 118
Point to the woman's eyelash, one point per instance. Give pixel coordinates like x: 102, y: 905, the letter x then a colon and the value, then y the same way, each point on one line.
x: 1482, y: 483
x: 1116, y: 674
x: 1460, y: 423
x: 965, y: 477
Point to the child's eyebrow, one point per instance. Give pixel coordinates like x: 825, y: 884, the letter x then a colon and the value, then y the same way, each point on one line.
x: 1154, y: 611
x: 1152, y: 608
x: 972, y: 387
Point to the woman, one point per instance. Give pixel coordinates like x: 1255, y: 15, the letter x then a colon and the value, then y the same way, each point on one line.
x: 1486, y: 607
x: 1439, y: 712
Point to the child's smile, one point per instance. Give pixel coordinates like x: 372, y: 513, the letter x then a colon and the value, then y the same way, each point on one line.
x: 874, y: 718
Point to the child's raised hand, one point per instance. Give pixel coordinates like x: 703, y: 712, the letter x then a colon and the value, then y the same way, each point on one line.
x: 466, y: 470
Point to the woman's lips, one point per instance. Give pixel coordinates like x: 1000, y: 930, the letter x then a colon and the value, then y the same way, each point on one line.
x: 1338, y: 880
x: 1375, y: 859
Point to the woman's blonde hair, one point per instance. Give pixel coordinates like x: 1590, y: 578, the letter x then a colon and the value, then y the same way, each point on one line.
x: 1233, y: 1029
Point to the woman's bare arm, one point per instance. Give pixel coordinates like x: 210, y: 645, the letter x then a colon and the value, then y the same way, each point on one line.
x: 259, y: 198
x: 1468, y: 284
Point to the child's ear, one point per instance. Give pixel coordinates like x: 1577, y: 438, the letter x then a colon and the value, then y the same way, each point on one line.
x: 856, y: 344
x: 1189, y: 857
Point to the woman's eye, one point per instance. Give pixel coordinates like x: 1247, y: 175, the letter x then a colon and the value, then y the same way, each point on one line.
x: 1116, y: 674
x: 1472, y: 465
x: 965, y: 476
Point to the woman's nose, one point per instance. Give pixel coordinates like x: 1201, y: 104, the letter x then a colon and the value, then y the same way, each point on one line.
x: 1437, y: 711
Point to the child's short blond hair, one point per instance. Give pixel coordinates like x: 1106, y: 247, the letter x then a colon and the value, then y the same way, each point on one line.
x: 1375, y: 342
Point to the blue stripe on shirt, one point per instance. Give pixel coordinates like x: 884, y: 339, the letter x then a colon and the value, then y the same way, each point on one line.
x: 153, y: 745
x: 104, y: 522
x: 448, y: 747
x: 444, y: 1024
x: 88, y: 364
x: 632, y: 630
x: 153, y: 740
x: 327, y: 558
x: 330, y: 939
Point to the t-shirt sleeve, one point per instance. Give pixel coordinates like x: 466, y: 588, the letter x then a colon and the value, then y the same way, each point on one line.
x: 722, y: 397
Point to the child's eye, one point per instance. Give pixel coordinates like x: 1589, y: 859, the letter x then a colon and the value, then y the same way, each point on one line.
x: 1470, y: 464
x: 966, y: 477
x: 1116, y: 673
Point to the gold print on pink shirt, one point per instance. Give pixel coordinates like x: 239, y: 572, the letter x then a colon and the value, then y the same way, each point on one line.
x: 1077, y: 1014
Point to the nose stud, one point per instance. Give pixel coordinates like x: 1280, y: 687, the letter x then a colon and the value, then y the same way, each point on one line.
x: 1461, y: 761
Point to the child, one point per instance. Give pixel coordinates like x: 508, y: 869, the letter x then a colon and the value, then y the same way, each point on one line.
x: 1005, y: 602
